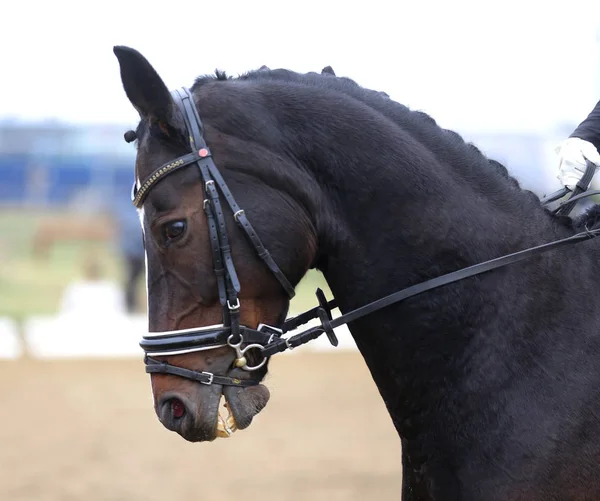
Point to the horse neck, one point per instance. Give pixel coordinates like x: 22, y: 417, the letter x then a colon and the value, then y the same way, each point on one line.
x: 405, y: 216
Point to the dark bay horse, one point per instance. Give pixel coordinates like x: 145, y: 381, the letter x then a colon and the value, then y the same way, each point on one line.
x: 244, y: 184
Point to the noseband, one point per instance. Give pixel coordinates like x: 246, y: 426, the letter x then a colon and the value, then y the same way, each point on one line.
x: 267, y: 340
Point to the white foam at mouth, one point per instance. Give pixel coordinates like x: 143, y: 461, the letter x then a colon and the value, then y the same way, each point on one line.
x: 225, y: 426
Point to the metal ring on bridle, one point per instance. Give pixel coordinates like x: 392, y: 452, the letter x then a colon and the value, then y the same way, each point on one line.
x: 238, y: 214
x: 250, y: 368
x: 236, y: 345
x: 241, y: 353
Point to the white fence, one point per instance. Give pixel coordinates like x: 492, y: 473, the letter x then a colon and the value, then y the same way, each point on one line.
x: 107, y: 336
x: 73, y: 335
x: 10, y: 342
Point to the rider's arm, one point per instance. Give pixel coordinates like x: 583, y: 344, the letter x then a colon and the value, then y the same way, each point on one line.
x: 589, y: 129
x: 581, y: 146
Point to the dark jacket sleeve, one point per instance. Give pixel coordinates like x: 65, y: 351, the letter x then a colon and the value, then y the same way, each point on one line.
x: 589, y: 129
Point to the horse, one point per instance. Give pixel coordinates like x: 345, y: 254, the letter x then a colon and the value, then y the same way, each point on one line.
x: 487, y: 359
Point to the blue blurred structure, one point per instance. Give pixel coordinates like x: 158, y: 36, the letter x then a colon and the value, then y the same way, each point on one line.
x: 53, y: 164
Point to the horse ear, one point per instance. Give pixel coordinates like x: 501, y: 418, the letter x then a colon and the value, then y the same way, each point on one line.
x: 328, y: 70
x: 145, y: 89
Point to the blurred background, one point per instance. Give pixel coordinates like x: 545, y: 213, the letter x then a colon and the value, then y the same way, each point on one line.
x: 77, y: 422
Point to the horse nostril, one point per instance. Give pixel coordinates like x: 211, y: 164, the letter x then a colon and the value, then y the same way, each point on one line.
x: 177, y: 408
x: 172, y: 410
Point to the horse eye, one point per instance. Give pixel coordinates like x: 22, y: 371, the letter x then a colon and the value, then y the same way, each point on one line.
x: 173, y: 230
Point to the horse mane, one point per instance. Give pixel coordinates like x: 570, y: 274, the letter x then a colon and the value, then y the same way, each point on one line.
x: 448, y: 145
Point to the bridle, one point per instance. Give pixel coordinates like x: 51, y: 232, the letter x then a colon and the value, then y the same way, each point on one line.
x: 230, y: 332
x: 269, y: 340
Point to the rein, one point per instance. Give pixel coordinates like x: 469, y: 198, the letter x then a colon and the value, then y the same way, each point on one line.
x: 267, y: 340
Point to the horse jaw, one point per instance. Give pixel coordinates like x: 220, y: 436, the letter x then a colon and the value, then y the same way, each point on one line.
x: 245, y: 403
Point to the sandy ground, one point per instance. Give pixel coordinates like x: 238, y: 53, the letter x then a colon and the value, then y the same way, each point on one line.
x: 85, y: 430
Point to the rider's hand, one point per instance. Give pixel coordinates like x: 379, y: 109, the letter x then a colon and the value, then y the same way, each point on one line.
x: 572, y: 155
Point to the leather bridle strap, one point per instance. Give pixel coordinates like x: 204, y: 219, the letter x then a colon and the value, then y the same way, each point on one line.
x: 211, y: 172
x: 158, y: 367
x: 228, y: 282
x: 327, y: 326
x: 580, y: 191
x: 213, y: 234
x: 567, y: 206
x: 240, y: 218
x: 183, y: 341
x: 140, y: 194
x: 293, y: 323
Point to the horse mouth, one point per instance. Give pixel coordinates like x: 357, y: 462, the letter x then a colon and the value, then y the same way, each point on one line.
x: 242, y: 405
x: 226, y: 426
x: 213, y: 415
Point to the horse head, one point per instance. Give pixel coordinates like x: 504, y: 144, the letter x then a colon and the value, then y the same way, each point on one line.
x: 216, y: 278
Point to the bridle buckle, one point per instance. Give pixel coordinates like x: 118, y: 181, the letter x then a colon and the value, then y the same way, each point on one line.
x: 237, y: 215
x: 287, y: 343
x: 210, y: 375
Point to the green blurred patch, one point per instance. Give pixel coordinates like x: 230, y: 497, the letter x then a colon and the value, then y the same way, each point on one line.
x: 33, y: 284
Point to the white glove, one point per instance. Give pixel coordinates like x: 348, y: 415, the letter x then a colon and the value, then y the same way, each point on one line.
x: 572, y: 155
